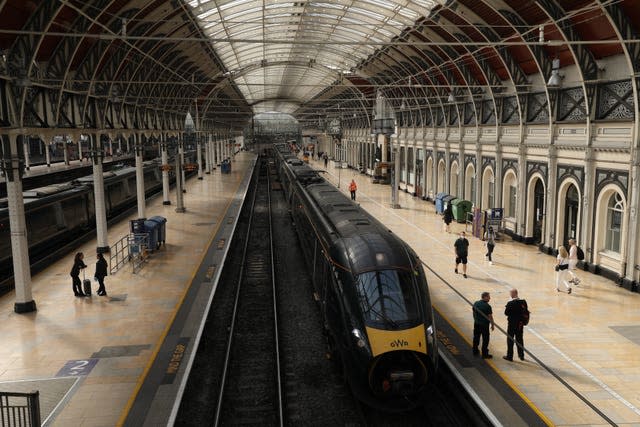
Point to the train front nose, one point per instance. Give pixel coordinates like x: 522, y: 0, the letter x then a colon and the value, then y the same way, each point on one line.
x: 398, y: 373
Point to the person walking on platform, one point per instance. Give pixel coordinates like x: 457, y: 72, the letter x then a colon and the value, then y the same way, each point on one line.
x: 101, y: 273
x: 353, y: 187
x: 514, y: 311
x: 562, y: 270
x: 491, y: 244
x: 326, y: 159
x: 447, y: 217
x: 461, y: 246
x: 482, y: 318
x: 573, y: 261
x: 78, y: 265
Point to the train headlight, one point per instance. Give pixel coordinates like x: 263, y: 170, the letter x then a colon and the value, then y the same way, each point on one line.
x: 359, y: 338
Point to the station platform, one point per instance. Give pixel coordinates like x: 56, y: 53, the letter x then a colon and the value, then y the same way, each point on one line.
x: 91, y: 357
x: 99, y: 361
x: 582, y: 364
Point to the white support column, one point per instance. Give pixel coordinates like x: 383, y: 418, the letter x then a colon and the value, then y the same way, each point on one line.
x: 65, y: 152
x: 207, y: 154
x: 497, y: 188
x: 181, y: 155
x: 447, y: 170
x: 139, y: 150
x: 97, y: 154
x: 111, y: 148
x: 13, y: 170
x: 550, y: 203
x: 25, y: 147
x: 80, y: 148
x: 179, y: 182
x: 521, y: 191
x: 165, y: 169
x: 47, y: 151
x: 218, y: 151
x: 199, y: 154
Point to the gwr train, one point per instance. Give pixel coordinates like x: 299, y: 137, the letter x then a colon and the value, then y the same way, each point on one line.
x: 371, y: 287
x: 59, y: 214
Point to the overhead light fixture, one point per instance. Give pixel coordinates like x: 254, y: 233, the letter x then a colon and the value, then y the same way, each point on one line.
x: 451, y: 97
x: 556, y: 79
x: 403, y: 104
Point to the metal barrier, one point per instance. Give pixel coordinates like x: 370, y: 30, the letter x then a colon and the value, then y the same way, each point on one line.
x: 119, y: 255
x: 138, y: 244
x: 20, y: 409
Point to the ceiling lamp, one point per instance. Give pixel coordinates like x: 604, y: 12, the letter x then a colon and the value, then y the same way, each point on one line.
x: 556, y: 79
x: 451, y: 97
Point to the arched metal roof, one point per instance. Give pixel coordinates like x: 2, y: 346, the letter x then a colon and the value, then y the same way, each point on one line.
x: 140, y: 63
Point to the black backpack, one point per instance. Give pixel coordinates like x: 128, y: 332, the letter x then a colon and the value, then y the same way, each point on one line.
x: 524, y: 314
x: 580, y: 254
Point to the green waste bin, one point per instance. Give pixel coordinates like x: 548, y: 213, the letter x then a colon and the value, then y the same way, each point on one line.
x: 460, y: 209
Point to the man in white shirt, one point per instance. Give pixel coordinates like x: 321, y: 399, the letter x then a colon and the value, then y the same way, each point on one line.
x: 573, y: 261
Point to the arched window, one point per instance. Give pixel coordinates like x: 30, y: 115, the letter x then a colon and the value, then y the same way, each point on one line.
x: 615, y: 209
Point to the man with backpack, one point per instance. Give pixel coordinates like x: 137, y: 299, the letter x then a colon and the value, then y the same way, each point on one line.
x: 517, y: 314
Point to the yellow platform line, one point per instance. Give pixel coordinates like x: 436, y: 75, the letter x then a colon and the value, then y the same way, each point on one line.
x: 165, y: 332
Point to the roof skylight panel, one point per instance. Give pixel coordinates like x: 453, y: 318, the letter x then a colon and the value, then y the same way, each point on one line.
x: 222, y: 6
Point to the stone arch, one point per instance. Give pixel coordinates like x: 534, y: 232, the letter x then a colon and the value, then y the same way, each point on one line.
x: 488, y: 182
x: 534, y: 216
x: 561, y: 212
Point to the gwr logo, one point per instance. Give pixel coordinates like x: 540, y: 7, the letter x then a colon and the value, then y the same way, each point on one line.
x: 399, y: 343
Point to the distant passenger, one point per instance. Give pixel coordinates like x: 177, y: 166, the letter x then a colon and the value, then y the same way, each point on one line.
x: 461, y: 246
x: 326, y: 159
x: 101, y: 273
x: 491, y: 244
x: 562, y: 270
x: 78, y: 265
x: 573, y: 261
x: 353, y: 187
x: 447, y: 217
x: 482, y: 318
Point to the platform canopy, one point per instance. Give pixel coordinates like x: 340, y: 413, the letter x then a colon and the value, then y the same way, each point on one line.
x: 116, y: 63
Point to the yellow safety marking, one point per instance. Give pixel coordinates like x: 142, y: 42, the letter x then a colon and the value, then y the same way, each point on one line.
x: 385, y: 341
x: 501, y: 374
x: 165, y: 332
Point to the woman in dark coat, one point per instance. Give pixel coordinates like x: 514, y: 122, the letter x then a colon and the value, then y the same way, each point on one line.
x: 78, y: 265
x: 447, y: 217
x: 101, y: 273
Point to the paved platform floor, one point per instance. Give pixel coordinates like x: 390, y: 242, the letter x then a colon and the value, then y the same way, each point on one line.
x: 89, y: 356
x: 589, y: 338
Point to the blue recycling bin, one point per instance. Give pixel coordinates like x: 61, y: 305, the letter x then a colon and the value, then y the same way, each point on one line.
x: 225, y: 166
x: 440, y: 202
x: 152, y: 230
x: 162, y: 229
x: 136, y: 226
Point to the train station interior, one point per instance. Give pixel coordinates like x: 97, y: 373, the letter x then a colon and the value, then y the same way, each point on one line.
x: 522, y: 115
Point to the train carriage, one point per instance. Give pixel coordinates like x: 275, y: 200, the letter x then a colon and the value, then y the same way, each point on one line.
x: 371, y: 287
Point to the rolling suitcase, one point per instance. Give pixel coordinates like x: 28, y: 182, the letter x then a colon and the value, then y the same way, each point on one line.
x: 86, y: 285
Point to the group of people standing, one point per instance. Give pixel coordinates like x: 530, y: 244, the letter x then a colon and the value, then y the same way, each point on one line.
x: 483, y: 320
x: 99, y: 275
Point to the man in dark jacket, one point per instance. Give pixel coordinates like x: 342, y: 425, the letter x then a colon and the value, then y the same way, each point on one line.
x: 482, y: 318
x: 461, y: 246
x: 515, y: 325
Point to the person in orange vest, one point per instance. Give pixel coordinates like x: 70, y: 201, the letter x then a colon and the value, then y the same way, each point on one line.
x: 352, y: 188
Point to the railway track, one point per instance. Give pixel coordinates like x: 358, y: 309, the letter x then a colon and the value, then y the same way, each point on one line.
x: 250, y: 390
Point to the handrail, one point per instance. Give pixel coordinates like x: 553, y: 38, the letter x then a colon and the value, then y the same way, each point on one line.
x: 14, y: 411
x: 119, y: 255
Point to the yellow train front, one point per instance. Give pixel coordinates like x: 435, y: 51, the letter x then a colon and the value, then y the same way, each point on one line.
x: 371, y: 287
x: 380, y: 321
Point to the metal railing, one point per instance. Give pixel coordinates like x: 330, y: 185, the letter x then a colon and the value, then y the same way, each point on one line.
x: 20, y: 409
x: 138, y: 244
x: 119, y: 255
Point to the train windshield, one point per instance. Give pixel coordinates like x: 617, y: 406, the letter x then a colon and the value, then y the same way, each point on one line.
x: 388, y: 298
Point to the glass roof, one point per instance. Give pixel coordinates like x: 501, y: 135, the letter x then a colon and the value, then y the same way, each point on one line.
x: 283, y: 53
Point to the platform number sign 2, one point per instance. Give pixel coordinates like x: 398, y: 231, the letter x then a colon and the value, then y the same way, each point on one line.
x: 77, y: 368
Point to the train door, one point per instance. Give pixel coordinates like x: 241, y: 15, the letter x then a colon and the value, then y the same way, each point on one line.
x: 570, y: 214
x: 538, y: 211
